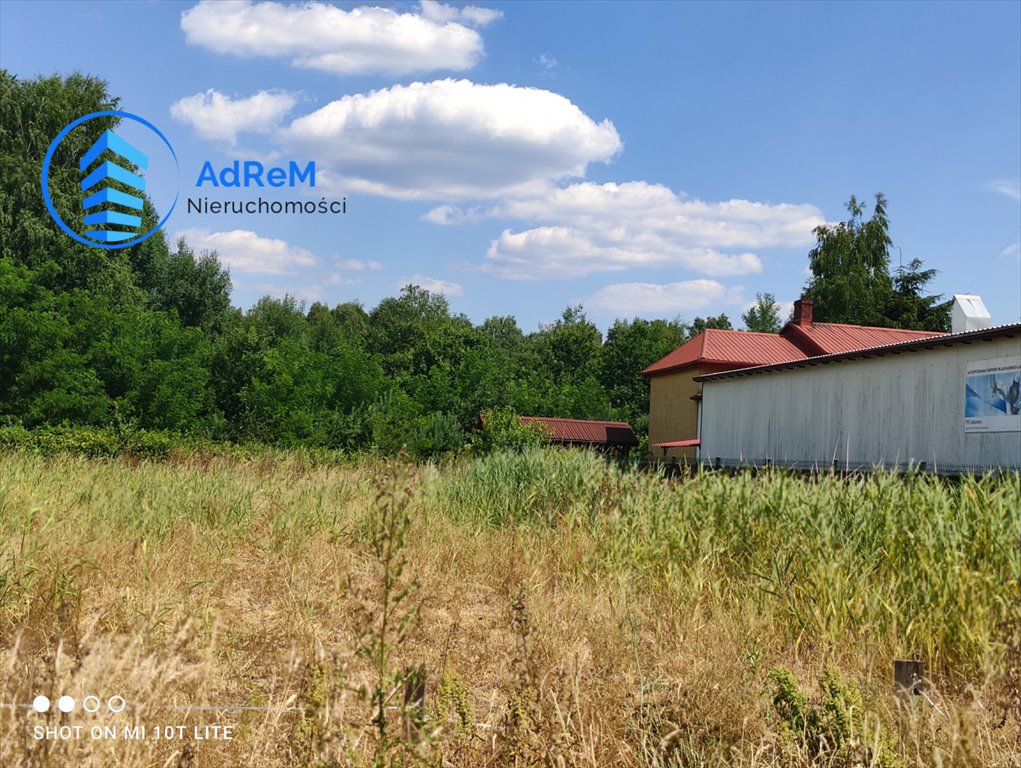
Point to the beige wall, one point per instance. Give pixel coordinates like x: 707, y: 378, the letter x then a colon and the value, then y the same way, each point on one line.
x: 673, y: 415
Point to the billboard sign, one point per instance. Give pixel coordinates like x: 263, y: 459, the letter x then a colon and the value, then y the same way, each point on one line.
x: 992, y: 395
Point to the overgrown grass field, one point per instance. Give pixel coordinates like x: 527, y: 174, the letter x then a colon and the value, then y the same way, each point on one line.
x: 534, y: 608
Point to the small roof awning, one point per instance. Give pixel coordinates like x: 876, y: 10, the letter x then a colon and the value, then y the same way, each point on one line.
x: 678, y: 444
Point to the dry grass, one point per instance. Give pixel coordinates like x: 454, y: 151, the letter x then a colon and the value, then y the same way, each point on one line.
x: 567, y: 613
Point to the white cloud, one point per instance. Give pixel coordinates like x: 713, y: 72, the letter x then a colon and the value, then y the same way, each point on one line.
x: 216, y: 116
x: 1007, y: 187
x: 320, y: 36
x: 548, y: 61
x: 587, y: 228
x: 728, y: 224
x: 1014, y: 249
x: 446, y: 215
x: 244, y: 251
x: 451, y: 140
x: 786, y: 310
x: 469, y: 14
x: 564, y: 252
x: 337, y: 278
x: 640, y: 299
x: 432, y: 285
x: 357, y: 265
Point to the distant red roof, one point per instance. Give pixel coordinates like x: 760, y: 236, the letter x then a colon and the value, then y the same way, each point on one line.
x: 585, y: 432
x: 740, y: 349
x: 797, y: 341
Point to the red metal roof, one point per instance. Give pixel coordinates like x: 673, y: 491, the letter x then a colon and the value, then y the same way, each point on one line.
x: 585, y: 431
x: 830, y: 338
x: 913, y: 345
x: 744, y: 349
x: 737, y: 348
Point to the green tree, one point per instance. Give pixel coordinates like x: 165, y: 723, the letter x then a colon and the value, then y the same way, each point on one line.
x: 283, y: 377
x: 353, y: 321
x: 299, y: 396
x: 571, y: 345
x: 34, y: 112
x: 170, y: 373
x: 89, y: 358
x: 275, y: 320
x: 196, y: 286
x: 851, y: 281
x: 323, y: 331
x: 630, y: 348
x: 720, y: 322
x: 440, y: 361
x: 764, y: 317
x: 558, y: 371
x: 398, y: 325
x: 505, y: 333
x: 240, y: 359
x: 910, y: 307
x: 45, y: 372
x: 89, y: 336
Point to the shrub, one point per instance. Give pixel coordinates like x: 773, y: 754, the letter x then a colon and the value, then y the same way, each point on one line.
x: 502, y: 428
x: 830, y: 730
x: 97, y: 442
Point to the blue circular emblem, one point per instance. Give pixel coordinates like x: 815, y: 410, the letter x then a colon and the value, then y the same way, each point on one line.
x: 45, y: 180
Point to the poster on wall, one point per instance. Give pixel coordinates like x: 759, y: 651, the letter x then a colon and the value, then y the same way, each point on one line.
x: 992, y: 395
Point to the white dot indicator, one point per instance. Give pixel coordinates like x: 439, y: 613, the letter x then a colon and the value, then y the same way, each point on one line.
x: 41, y: 704
x: 90, y: 703
x: 116, y: 704
x: 65, y: 703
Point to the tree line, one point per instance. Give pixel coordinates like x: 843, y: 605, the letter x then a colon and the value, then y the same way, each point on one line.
x: 146, y: 337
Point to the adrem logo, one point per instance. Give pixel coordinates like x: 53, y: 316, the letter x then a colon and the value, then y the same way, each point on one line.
x: 124, y: 166
x: 252, y: 173
x: 110, y: 214
x: 107, y: 197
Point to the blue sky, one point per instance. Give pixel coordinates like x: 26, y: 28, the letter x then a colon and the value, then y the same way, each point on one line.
x: 649, y: 159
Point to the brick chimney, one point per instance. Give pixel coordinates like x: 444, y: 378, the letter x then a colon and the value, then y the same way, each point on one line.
x: 803, y: 312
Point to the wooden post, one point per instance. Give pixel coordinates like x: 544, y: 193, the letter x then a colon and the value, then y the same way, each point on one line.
x: 908, y: 677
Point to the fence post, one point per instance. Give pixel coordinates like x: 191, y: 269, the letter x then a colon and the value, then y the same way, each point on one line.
x: 908, y: 677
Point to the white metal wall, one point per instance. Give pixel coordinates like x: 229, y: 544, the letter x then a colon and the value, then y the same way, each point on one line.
x: 892, y: 410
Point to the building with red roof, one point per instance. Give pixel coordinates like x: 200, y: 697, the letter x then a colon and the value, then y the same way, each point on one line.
x: 675, y: 394
x: 947, y: 404
x: 602, y: 435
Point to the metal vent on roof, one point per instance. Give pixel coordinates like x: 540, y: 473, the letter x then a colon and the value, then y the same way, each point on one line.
x: 969, y: 314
